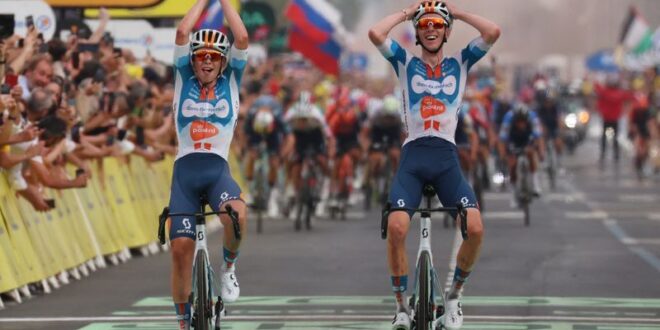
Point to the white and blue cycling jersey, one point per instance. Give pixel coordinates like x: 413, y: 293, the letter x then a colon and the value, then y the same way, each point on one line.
x: 520, y: 137
x: 432, y: 96
x: 205, y: 118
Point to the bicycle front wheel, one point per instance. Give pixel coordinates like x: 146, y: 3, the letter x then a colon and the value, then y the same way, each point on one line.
x: 424, y: 311
x: 202, y: 296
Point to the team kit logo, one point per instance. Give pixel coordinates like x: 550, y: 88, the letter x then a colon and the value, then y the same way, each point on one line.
x: 430, y: 106
x: 207, y: 116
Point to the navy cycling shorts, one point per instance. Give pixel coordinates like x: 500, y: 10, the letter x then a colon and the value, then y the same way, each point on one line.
x: 195, y: 175
x: 434, y: 161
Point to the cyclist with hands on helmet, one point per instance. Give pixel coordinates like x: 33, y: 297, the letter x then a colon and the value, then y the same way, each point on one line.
x: 208, y: 72
x: 433, y: 87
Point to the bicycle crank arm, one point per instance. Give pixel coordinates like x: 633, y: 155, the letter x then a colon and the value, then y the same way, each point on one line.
x: 220, y: 312
x: 462, y: 213
x: 162, y: 218
x: 233, y: 215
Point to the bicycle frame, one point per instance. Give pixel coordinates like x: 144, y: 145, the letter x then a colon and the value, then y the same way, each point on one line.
x: 423, y: 250
x: 211, y: 311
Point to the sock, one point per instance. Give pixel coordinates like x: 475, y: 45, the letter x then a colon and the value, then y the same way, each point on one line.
x: 183, y: 315
x: 399, y: 286
x: 230, y: 257
x: 460, y: 277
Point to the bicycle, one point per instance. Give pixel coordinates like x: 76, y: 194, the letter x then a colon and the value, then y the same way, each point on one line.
x: 426, y: 315
x: 309, y: 195
x: 523, y: 190
x: 345, y: 182
x: 203, y: 317
x: 378, y: 186
x: 261, y: 185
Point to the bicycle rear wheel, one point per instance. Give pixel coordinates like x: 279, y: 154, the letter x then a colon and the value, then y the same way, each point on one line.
x: 424, y: 310
x: 202, y: 296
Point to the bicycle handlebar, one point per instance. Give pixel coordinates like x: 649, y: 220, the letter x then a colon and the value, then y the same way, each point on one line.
x: 459, y: 209
x: 162, y: 218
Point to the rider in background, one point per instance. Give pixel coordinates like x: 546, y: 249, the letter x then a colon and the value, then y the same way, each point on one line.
x: 433, y: 86
x: 264, y: 122
x: 208, y: 72
x: 467, y: 140
x: 548, y: 109
x: 641, y: 124
x: 521, y: 130
x: 384, y: 129
x: 344, y: 118
x: 309, y: 135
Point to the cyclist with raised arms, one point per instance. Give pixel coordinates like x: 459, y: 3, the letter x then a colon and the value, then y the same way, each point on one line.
x: 208, y: 72
x: 433, y: 88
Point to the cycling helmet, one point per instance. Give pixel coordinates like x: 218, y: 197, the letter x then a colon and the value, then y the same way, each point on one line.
x: 304, y: 105
x: 391, y: 104
x: 264, y: 122
x: 209, y: 39
x: 430, y: 7
x: 520, y: 111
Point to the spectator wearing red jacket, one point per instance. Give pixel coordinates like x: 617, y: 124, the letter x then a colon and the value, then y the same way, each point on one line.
x: 611, y: 99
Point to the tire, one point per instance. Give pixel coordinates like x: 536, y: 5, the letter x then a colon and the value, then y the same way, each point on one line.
x: 309, y: 209
x: 525, y: 199
x: 478, y: 188
x: 424, y: 310
x: 260, y: 222
x: 526, y: 212
x: 552, y: 177
x: 299, y: 213
x: 202, y: 297
x: 368, y: 195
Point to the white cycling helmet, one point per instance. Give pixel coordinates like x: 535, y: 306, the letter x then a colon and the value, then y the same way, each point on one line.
x: 391, y: 104
x: 209, y: 39
x: 304, y: 106
x: 433, y: 7
x: 264, y: 122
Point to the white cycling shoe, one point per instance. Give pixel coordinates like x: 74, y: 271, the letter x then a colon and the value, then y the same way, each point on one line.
x: 401, y: 321
x: 453, y: 314
x: 229, y: 291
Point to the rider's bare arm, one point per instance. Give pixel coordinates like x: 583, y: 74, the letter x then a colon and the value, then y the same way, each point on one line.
x: 489, y: 31
x: 379, y: 32
x: 188, y: 22
x: 235, y: 25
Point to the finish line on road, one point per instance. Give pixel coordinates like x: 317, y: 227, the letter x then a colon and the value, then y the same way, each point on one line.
x: 372, y: 312
x: 389, y: 301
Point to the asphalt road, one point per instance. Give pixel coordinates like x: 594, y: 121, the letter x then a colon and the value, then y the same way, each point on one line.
x: 589, y: 261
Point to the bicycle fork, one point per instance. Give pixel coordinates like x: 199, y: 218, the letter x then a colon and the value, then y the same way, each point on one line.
x: 436, y: 288
x: 218, y: 309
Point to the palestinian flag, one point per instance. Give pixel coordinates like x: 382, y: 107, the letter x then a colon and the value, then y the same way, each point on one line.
x: 637, y: 35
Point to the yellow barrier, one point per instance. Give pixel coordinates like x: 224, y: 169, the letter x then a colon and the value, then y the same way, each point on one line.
x: 118, y: 209
x: 20, y: 251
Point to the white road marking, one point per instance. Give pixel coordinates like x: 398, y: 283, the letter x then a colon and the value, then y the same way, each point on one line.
x: 637, y: 241
x: 652, y: 320
x: 654, y: 216
x: 563, y: 197
x: 638, y: 198
x: 586, y: 215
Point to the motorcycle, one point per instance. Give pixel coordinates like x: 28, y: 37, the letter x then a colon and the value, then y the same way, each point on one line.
x: 575, y: 120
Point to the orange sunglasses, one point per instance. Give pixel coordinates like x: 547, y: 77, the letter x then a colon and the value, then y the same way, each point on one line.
x: 431, y: 23
x: 202, y: 55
